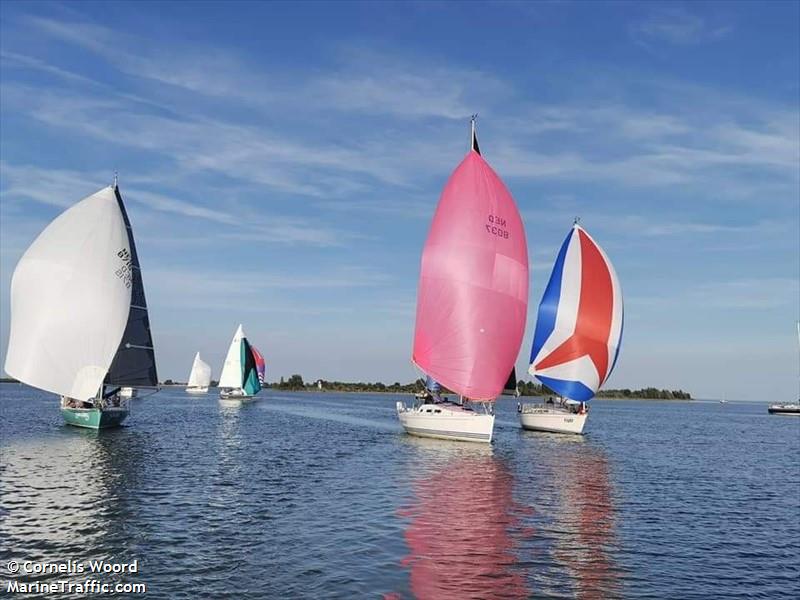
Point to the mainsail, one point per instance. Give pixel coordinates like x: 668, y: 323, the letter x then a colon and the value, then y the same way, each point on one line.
x: 473, y: 289
x: 134, y: 364
x: 579, y: 325
x: 200, y: 375
x: 511, y: 383
x: 232, y: 370
x: 70, y: 299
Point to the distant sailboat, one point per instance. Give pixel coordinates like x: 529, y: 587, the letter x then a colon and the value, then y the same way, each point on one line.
x: 471, y: 303
x: 577, y: 336
x: 79, y: 321
x: 793, y: 408
x: 199, y: 377
x: 240, y: 380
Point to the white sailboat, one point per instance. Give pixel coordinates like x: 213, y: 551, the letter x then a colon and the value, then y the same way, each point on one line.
x: 79, y: 321
x: 242, y: 373
x: 794, y: 407
x: 577, y: 337
x: 471, y: 303
x: 199, y: 377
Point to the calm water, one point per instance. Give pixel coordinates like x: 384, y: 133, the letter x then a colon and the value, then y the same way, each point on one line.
x: 323, y: 496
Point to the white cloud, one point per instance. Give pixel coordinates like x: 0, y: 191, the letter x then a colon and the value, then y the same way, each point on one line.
x: 759, y: 294
x: 675, y: 25
x: 55, y: 187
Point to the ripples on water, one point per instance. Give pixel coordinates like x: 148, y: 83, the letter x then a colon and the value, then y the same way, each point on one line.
x: 306, y: 495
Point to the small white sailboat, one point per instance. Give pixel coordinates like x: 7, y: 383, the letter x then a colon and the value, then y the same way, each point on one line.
x: 79, y: 321
x: 794, y: 407
x: 577, y: 336
x: 199, y: 377
x: 471, y: 304
x: 243, y: 372
x: 128, y: 392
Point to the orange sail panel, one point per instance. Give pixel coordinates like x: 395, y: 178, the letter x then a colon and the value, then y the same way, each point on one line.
x: 473, y: 288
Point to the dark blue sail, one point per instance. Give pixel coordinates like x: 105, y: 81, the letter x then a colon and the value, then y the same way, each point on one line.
x: 134, y: 364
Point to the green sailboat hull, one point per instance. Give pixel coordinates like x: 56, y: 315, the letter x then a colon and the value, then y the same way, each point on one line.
x: 93, y: 418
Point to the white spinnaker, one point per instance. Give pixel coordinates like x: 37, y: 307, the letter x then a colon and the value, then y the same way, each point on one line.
x: 201, y: 373
x: 231, y: 376
x: 70, y: 298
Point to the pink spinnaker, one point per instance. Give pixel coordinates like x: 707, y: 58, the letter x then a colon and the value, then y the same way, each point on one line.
x: 473, y: 289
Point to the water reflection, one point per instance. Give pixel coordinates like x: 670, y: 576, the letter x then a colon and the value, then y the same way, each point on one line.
x: 589, y: 516
x: 63, y: 497
x: 569, y: 483
x: 459, y: 521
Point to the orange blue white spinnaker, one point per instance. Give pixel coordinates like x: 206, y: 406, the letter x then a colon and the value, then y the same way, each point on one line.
x: 579, y: 323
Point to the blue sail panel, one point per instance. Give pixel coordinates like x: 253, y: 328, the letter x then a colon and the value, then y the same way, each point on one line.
x: 574, y: 390
x: 548, y: 307
x: 432, y: 385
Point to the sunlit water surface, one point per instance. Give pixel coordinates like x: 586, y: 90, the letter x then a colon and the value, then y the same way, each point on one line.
x: 324, y: 496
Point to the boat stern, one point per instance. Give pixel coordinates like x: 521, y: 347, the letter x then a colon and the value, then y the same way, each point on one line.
x: 538, y: 417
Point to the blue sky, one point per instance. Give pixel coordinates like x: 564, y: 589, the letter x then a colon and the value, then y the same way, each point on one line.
x: 281, y: 164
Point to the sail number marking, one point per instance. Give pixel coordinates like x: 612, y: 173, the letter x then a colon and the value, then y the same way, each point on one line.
x: 496, y: 226
x: 125, y: 272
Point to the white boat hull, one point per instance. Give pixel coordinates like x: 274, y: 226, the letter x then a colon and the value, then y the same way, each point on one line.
x: 784, y: 409
x: 127, y: 392
x: 235, y: 397
x: 197, y: 390
x: 541, y: 417
x: 446, y: 422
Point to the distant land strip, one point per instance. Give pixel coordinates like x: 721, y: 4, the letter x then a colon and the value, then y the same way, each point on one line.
x: 296, y: 383
x: 529, y: 388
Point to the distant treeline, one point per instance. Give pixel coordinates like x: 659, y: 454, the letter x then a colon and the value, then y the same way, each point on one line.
x: 650, y: 393
x: 212, y: 383
x: 526, y: 388
x: 295, y: 382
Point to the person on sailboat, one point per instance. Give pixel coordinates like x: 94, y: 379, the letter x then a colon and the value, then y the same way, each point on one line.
x: 432, y: 391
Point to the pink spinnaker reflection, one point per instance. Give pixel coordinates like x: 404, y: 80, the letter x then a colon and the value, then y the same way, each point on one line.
x: 458, y: 537
x: 473, y: 290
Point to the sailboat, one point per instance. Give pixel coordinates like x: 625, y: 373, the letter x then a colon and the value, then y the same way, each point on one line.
x: 793, y: 408
x: 471, y: 303
x: 577, y: 337
x: 240, y: 380
x: 199, y: 377
x: 79, y: 321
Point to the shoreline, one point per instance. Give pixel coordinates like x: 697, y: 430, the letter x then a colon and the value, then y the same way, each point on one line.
x: 519, y: 399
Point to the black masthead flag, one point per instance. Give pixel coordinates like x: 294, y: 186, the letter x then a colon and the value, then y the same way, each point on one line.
x: 475, y: 136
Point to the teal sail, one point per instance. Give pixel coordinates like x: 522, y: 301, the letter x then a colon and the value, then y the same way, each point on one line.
x: 250, y: 382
